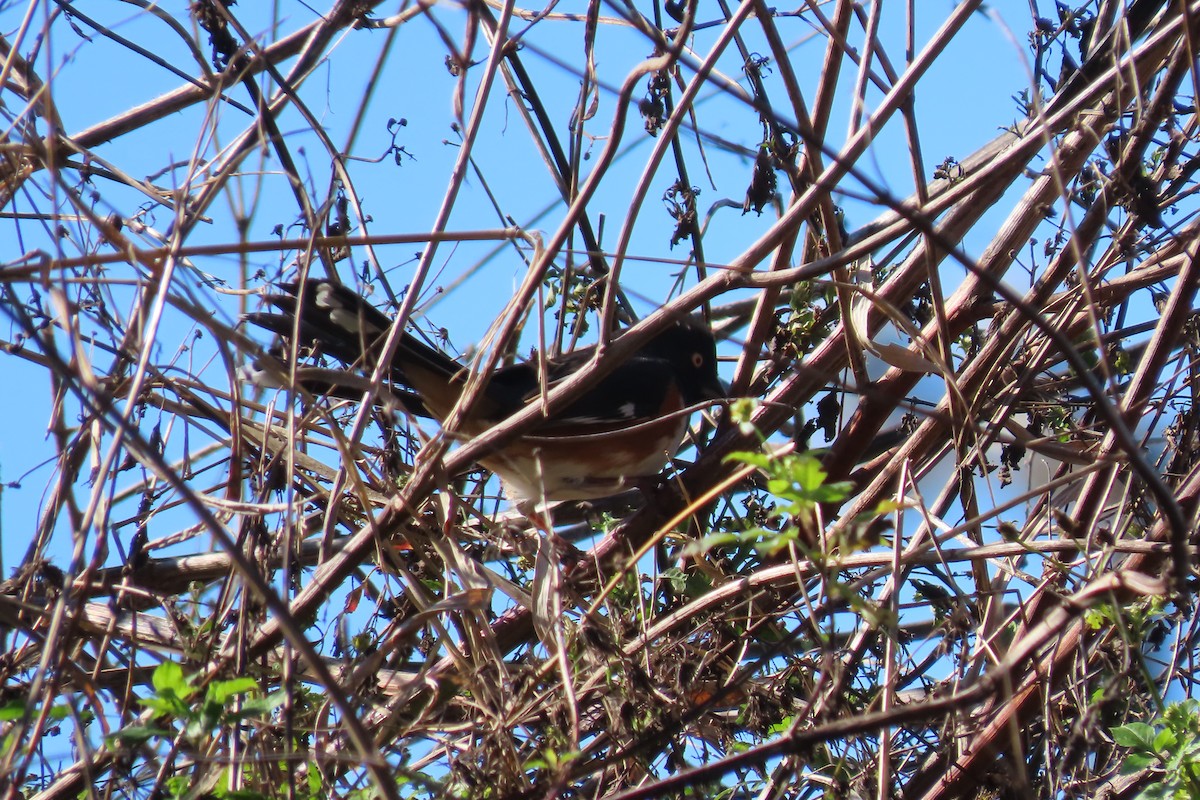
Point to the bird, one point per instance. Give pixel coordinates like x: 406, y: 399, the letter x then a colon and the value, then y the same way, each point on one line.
x: 620, y: 432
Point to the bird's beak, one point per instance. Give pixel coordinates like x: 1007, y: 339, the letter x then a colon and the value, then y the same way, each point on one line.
x: 715, y: 390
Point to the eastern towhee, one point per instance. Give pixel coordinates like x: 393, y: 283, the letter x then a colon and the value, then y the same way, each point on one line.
x: 623, y: 428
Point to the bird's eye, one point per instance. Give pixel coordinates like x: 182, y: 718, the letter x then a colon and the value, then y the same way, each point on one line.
x: 697, y: 360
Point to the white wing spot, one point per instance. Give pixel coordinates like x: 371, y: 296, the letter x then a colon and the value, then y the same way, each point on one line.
x: 346, y: 319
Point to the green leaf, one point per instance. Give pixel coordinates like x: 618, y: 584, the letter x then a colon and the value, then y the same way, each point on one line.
x: 777, y: 541
x: 1161, y: 791
x: 1136, y: 762
x: 1135, y: 734
x: 760, y: 460
x: 315, y: 786
x: 136, y: 734
x: 705, y: 543
x: 262, y: 706
x: 689, y: 583
x: 168, y: 706
x: 1165, y: 740
x: 883, y: 508
x: 221, y: 691
x: 781, y: 727
x: 808, y: 473
x: 210, y: 713
x: 13, y: 710
x: 168, y: 678
x: 178, y: 786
